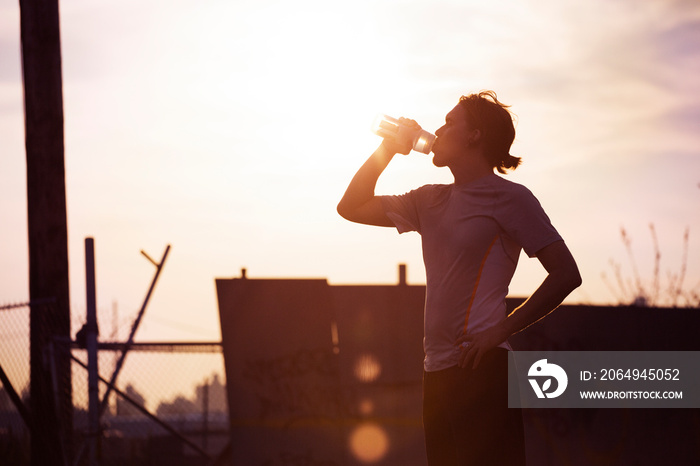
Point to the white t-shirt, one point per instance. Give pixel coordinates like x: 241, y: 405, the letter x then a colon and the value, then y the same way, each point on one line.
x: 472, y: 235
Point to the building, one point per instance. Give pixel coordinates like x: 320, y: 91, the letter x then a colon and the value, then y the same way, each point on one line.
x: 328, y: 374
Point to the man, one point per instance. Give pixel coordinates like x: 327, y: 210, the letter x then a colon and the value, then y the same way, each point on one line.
x: 472, y: 232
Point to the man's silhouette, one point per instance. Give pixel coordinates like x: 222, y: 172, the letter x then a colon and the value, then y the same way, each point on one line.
x: 472, y: 233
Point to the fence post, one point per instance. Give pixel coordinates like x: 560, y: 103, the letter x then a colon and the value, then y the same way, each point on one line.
x: 91, y: 345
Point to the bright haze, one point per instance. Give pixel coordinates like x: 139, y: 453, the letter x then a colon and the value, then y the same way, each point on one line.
x: 229, y: 130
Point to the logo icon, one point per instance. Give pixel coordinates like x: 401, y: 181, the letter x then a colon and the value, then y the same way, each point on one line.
x: 548, y: 371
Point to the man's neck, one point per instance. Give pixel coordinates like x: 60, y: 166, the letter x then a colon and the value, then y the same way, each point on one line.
x: 472, y: 171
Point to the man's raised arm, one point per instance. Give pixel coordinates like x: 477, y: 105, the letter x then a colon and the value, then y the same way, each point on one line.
x: 359, y: 203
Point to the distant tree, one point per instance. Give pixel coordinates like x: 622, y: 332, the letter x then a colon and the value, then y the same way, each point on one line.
x: 125, y: 408
x: 180, y: 405
x: 216, y: 402
x: 210, y: 393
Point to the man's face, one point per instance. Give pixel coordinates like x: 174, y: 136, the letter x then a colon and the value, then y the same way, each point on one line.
x: 452, y: 138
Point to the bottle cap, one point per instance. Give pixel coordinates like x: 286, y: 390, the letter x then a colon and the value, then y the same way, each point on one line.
x: 424, y: 142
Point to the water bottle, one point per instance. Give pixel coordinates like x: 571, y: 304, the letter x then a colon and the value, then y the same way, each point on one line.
x: 388, y: 127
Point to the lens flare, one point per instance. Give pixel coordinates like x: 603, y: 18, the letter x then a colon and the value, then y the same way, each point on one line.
x: 369, y: 443
x: 366, y: 407
x: 367, y: 368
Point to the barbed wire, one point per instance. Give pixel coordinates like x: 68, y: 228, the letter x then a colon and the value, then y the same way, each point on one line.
x: 34, y: 302
x: 163, y: 347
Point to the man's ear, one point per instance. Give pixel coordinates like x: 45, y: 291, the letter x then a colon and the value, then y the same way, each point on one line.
x: 475, y: 136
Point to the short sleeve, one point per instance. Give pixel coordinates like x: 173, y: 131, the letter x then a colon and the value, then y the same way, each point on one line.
x: 524, y: 220
x: 402, y: 211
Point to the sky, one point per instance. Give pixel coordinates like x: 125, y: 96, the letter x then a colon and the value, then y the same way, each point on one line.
x: 229, y: 130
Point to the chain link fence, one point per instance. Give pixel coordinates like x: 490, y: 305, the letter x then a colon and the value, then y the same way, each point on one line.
x: 14, y: 360
x: 168, y: 405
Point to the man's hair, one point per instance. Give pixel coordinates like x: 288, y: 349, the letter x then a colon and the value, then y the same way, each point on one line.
x: 492, y: 117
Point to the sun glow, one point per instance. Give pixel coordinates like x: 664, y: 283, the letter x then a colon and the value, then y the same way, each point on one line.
x: 308, y: 79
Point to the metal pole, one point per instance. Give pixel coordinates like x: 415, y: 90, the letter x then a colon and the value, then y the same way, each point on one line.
x: 134, y: 327
x: 52, y: 360
x: 91, y: 344
x: 46, y: 225
x: 111, y: 385
x: 205, y: 414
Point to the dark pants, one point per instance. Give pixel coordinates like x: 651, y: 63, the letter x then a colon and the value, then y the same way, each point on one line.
x: 466, y: 416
